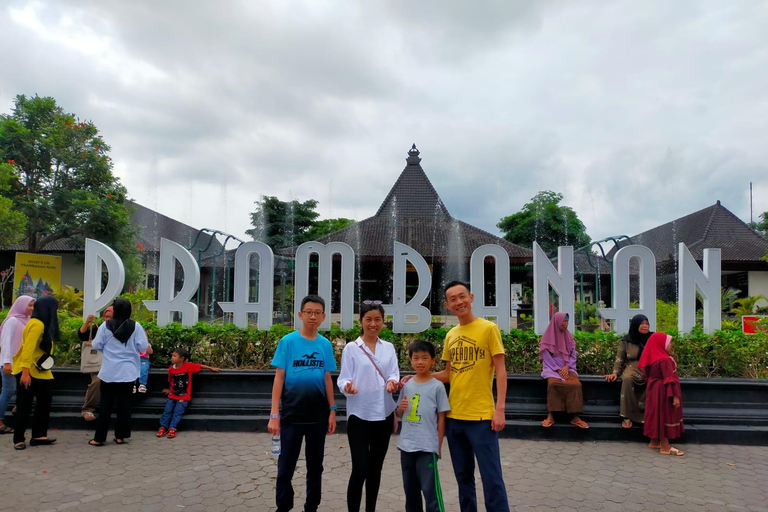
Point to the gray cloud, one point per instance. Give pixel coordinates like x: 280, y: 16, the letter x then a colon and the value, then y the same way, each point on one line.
x: 637, y: 112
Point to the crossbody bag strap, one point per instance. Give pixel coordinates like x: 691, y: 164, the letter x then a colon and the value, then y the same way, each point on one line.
x: 378, y: 370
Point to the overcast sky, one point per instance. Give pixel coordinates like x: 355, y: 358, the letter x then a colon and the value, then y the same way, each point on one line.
x: 637, y: 112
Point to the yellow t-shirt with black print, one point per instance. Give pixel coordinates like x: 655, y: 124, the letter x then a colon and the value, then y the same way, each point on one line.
x: 470, y: 349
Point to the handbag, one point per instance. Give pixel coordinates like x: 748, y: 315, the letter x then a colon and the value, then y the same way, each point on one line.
x: 396, y: 424
x: 90, y: 358
x: 44, y: 363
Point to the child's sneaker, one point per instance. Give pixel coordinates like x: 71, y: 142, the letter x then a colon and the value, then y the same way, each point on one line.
x: 142, y: 389
x: 160, y: 432
x: 171, y: 433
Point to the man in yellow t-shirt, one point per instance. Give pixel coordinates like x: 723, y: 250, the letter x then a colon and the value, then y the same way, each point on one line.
x: 473, y: 352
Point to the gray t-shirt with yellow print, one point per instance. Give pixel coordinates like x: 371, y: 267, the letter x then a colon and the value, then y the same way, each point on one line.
x: 419, y: 432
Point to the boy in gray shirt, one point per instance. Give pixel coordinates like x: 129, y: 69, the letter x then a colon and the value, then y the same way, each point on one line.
x: 423, y: 404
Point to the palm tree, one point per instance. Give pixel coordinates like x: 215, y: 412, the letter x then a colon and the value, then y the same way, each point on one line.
x: 747, y: 305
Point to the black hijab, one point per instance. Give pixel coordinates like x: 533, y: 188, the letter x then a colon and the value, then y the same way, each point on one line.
x: 635, y: 336
x: 120, y: 324
x: 45, y: 310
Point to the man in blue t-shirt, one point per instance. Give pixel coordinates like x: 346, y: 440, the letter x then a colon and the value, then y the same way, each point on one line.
x: 304, y: 361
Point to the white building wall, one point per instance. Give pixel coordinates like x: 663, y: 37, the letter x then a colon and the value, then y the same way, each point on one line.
x: 757, y: 283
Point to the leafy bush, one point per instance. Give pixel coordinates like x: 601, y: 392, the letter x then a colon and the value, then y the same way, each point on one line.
x: 727, y: 353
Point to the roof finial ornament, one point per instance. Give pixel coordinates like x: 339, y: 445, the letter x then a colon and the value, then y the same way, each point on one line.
x: 413, y: 156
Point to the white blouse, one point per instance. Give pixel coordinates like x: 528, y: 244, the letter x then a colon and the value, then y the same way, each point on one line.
x: 371, y: 402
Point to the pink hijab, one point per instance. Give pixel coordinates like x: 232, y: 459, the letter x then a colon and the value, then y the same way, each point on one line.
x: 19, y: 312
x: 556, y: 340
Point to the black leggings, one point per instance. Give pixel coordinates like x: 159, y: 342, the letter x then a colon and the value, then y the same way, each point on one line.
x: 40, y: 390
x: 368, y: 444
x: 119, y: 394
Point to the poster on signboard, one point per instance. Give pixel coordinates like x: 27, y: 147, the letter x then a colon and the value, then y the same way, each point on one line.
x: 36, y: 274
x: 752, y: 324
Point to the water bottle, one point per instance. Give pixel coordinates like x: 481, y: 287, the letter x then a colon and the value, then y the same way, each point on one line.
x: 276, y: 445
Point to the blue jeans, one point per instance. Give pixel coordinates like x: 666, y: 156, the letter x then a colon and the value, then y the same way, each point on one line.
x: 467, y: 440
x: 9, y: 388
x: 144, y: 371
x: 173, y: 412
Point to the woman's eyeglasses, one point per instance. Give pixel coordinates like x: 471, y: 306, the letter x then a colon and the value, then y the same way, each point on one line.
x: 372, y: 302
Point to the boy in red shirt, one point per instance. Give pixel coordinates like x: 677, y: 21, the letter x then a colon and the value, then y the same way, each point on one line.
x: 180, y: 392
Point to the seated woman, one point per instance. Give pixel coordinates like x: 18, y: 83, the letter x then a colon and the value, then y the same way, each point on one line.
x: 632, y: 381
x: 557, y: 349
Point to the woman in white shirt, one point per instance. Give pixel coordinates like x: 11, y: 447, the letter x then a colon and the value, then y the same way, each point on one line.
x: 369, y: 375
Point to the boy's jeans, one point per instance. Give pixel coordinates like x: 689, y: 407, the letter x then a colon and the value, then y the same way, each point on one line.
x: 144, y: 371
x: 173, y: 412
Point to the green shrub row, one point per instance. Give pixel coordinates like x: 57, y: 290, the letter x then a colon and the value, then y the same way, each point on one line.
x: 727, y: 353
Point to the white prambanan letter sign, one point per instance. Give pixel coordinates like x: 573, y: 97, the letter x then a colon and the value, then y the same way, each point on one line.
x: 707, y: 282
x: 501, y: 279
x: 545, y: 275
x: 94, y: 299
x: 399, y: 308
x: 167, y: 303
x: 561, y: 280
x: 324, y: 273
x: 242, y: 305
x: 621, y: 312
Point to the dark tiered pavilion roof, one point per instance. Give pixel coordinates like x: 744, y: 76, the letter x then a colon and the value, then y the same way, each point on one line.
x: 414, y: 211
x: 712, y: 227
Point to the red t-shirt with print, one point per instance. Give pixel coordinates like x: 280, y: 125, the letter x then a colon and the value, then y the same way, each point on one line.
x: 180, y: 380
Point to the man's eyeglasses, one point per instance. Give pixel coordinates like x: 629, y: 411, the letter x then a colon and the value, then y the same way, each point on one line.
x: 372, y: 302
x: 312, y: 314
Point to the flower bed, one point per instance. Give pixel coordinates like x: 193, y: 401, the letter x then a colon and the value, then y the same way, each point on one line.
x: 727, y: 353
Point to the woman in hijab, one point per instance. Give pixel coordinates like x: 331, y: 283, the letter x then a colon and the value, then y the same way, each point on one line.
x: 34, y: 382
x: 120, y: 339
x: 87, y: 333
x: 557, y: 349
x: 10, y: 341
x: 663, y: 408
x: 632, y: 381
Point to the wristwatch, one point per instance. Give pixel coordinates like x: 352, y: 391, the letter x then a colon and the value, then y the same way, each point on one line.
x: 274, y: 416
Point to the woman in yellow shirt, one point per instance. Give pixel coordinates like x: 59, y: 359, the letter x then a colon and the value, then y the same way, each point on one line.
x: 34, y: 383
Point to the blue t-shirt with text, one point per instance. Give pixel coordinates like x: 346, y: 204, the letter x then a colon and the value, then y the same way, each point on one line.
x: 305, y: 363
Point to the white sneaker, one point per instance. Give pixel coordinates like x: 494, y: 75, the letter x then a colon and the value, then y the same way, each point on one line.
x: 142, y: 389
x: 134, y: 389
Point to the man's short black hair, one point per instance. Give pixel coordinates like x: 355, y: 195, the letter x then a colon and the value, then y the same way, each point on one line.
x: 313, y: 298
x: 183, y: 353
x: 455, y: 283
x: 421, y: 346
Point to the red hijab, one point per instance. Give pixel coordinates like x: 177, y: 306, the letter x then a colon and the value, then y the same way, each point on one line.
x: 655, y: 349
x: 557, y: 340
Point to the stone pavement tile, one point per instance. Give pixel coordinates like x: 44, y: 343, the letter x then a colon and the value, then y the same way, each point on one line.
x: 234, y: 471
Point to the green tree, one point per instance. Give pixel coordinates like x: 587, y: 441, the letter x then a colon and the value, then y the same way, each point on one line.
x: 762, y: 226
x: 65, y: 188
x: 327, y: 226
x: 13, y: 223
x: 282, y: 224
x: 545, y: 221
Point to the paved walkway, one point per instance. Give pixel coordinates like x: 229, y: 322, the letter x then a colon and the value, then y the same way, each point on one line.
x: 206, y: 471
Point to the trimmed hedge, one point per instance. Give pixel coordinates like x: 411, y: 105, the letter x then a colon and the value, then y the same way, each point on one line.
x: 727, y: 353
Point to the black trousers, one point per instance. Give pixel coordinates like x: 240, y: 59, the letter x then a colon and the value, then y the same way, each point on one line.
x: 420, y: 476
x: 40, y: 390
x: 119, y: 394
x: 368, y: 445
x: 291, y: 436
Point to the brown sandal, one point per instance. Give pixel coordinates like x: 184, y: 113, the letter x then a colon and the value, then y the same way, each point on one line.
x: 580, y: 423
x: 627, y: 423
x: 673, y: 451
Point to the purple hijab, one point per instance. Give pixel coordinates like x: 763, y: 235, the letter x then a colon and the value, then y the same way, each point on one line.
x: 556, y: 340
x: 19, y: 312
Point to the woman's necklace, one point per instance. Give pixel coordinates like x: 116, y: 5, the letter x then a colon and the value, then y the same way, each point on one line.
x: 371, y: 345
